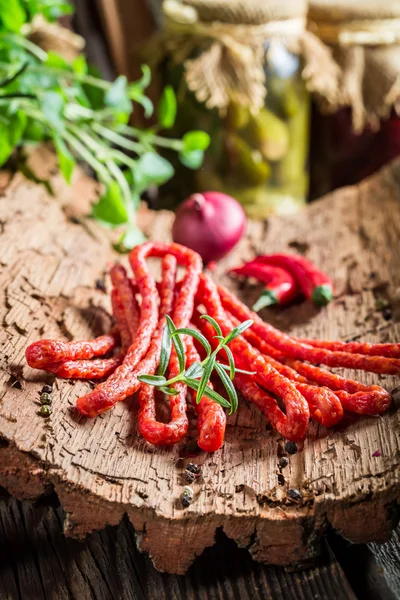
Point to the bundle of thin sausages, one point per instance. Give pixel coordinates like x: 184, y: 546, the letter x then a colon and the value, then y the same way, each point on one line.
x: 286, y: 368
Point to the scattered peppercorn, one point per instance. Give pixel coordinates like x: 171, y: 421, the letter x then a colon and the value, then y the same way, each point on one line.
x: 190, y: 477
x: 45, y: 398
x: 100, y: 285
x: 281, y: 479
x: 291, y: 447
x: 294, y: 494
x: 283, y: 462
x: 193, y: 468
x: 47, y: 389
x: 44, y: 411
x: 387, y: 313
x: 187, y: 496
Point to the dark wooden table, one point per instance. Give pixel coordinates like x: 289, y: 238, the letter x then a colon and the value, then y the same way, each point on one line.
x: 38, y: 563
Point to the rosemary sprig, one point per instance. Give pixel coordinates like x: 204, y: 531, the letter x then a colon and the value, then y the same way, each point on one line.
x: 197, y: 375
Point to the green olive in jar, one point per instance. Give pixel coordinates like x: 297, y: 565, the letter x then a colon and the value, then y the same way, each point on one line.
x: 269, y: 134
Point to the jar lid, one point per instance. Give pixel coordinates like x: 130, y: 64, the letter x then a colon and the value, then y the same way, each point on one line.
x: 336, y: 11
x: 247, y: 12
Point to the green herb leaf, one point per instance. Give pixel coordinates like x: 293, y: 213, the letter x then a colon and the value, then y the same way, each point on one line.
x: 145, y: 79
x: 117, y: 97
x: 228, y: 385
x: 156, y: 380
x: 167, y: 108
x: 193, y: 159
x: 169, y: 390
x: 195, y: 140
x: 212, y: 394
x: 227, y: 368
x: 208, y: 368
x: 214, y: 323
x: 66, y: 161
x: 198, y: 336
x: 165, y: 354
x: 195, y: 370
x: 52, y: 106
x: 56, y: 61
x: 238, y: 331
x: 111, y: 208
x: 131, y: 237
x: 176, y: 340
x: 79, y: 65
x: 231, y: 361
x: 12, y: 15
x: 156, y: 169
x: 12, y: 126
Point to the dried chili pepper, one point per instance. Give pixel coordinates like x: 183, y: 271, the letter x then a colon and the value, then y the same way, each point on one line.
x: 281, y: 286
x: 44, y: 352
x: 314, y: 284
x: 294, y: 423
x: 387, y: 350
x: 294, y: 349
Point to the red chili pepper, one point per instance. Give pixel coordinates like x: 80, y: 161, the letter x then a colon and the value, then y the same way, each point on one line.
x: 281, y: 286
x: 314, y: 284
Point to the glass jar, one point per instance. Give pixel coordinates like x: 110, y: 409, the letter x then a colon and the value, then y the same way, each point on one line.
x: 261, y: 158
x: 238, y: 72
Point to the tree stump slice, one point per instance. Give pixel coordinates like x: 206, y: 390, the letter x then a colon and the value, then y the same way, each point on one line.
x: 51, y: 257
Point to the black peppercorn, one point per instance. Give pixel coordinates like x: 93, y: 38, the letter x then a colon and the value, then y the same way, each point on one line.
x: 44, y: 411
x: 283, y: 462
x: 190, y: 477
x: 294, y: 494
x: 291, y: 447
x: 100, y: 285
x: 187, y: 496
x: 45, y: 398
x: 387, y: 313
x: 193, y: 468
x: 47, y: 389
x: 281, y: 479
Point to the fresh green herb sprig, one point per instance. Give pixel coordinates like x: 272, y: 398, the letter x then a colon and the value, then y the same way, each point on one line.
x: 45, y: 97
x: 197, y: 375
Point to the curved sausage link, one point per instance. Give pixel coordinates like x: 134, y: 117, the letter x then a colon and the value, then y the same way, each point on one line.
x: 293, y: 424
x: 153, y: 431
x: 126, y: 292
x: 294, y: 349
x: 386, y: 350
x: 45, y: 352
x: 85, y: 369
x: 120, y: 320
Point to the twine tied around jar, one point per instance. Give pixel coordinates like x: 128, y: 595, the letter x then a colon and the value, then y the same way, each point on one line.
x: 365, y: 39
x: 224, y: 61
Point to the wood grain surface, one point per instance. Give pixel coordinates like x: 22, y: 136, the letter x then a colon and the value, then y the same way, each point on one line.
x: 101, y: 470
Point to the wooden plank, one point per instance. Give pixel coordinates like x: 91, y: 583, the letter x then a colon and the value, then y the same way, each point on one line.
x: 108, y: 566
x: 102, y: 470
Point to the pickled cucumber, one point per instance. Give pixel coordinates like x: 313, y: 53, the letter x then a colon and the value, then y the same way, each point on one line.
x: 268, y: 134
x: 237, y: 116
x: 245, y: 164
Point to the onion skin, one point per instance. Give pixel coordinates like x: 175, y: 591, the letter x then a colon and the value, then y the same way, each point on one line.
x: 211, y: 224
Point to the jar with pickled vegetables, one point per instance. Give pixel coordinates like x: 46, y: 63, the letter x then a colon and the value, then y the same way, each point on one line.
x: 242, y: 72
x: 359, y: 130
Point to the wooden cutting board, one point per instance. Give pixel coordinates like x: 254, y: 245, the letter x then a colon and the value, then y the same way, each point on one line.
x: 349, y: 477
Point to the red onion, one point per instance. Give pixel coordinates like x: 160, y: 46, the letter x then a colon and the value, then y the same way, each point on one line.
x: 210, y: 223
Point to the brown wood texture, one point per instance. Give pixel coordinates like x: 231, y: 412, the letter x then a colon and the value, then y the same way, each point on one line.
x: 38, y: 563
x: 101, y: 470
